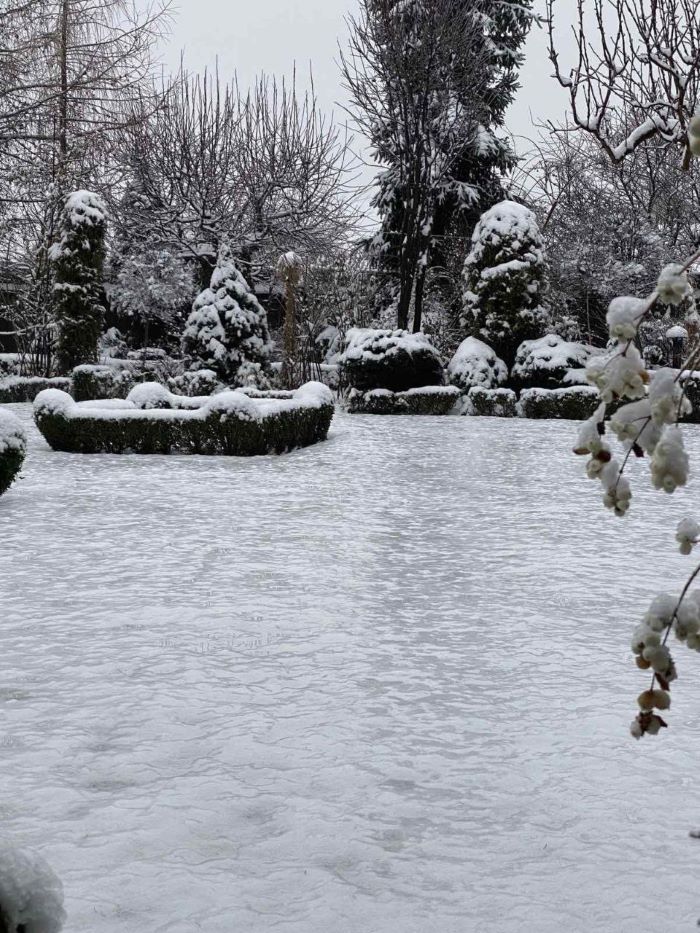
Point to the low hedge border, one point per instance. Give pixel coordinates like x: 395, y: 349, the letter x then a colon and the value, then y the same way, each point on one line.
x: 13, y: 447
x: 490, y: 403
x: 228, y: 424
x: 428, y: 400
x: 17, y: 389
x: 573, y: 404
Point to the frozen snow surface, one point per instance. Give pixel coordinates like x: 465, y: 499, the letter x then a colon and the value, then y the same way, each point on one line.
x: 380, y: 685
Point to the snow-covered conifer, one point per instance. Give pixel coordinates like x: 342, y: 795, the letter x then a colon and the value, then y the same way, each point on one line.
x: 227, y: 330
x: 505, y: 279
x: 78, y: 258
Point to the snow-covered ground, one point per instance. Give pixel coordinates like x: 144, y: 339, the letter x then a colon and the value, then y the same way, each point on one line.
x: 369, y: 687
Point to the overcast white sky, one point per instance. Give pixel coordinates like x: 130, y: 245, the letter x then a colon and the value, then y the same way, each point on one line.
x: 249, y: 36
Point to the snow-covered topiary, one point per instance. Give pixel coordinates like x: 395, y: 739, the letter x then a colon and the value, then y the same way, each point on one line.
x: 13, y: 446
x: 475, y: 364
x: 78, y: 258
x: 425, y: 400
x: 389, y: 359
x: 31, y: 896
x: 575, y: 403
x: 549, y: 362
x: 227, y: 329
x: 505, y: 279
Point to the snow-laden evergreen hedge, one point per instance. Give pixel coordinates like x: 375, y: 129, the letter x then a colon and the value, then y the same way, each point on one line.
x: 31, y: 895
x: 17, y: 389
x: 490, y: 403
x: 548, y: 362
x: 100, y: 382
x: 230, y: 423
x: 576, y: 403
x: 475, y: 364
x: 389, y: 359
x: 13, y: 446
x: 426, y: 400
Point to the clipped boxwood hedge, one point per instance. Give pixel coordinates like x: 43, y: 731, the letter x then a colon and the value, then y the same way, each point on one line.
x: 389, y: 359
x: 429, y: 400
x: 491, y: 403
x: 229, y: 424
x: 574, y: 404
x: 13, y: 447
x: 100, y: 382
x: 17, y: 389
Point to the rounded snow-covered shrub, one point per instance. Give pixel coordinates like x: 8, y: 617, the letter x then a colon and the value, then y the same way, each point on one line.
x: 576, y: 403
x: 197, y: 382
x: 490, y: 403
x: 475, y: 364
x: 150, y: 395
x: 15, y: 389
x: 227, y: 329
x: 227, y: 424
x: 427, y: 400
x: 31, y: 895
x: 548, y: 362
x: 389, y: 359
x: 100, y: 382
x: 13, y: 447
x: 505, y: 279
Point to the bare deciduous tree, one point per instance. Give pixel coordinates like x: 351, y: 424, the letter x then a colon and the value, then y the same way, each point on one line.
x: 640, y: 58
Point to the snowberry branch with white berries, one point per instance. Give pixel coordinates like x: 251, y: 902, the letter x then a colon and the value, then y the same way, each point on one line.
x: 646, y: 425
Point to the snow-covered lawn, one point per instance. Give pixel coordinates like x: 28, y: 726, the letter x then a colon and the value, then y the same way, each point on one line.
x: 369, y: 687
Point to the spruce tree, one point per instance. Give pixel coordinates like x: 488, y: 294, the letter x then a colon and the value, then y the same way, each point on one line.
x: 474, y: 81
x: 227, y: 329
x: 78, y: 259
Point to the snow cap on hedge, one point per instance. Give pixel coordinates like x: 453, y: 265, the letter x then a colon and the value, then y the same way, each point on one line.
x: 12, y: 433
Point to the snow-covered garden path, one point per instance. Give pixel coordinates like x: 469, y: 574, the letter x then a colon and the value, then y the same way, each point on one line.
x: 369, y: 687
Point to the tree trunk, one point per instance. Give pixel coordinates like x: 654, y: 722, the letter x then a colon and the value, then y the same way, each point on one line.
x: 418, y: 303
x: 290, y: 337
x: 63, y: 94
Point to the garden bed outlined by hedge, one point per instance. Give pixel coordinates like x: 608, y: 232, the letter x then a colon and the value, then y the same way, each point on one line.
x: 227, y: 424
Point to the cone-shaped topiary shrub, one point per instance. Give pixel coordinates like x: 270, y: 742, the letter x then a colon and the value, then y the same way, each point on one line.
x: 389, y: 359
x: 78, y: 258
x: 505, y: 280
x: 13, y: 446
x: 227, y: 330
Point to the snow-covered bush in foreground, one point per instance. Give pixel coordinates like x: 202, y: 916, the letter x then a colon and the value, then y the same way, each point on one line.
x: 649, y: 406
x: 31, y: 896
x: 426, y: 400
x: 475, y: 364
x: 13, y: 447
x: 389, y: 359
x: 548, y: 362
x: 505, y: 279
x: 227, y: 329
x: 574, y: 403
x: 230, y: 423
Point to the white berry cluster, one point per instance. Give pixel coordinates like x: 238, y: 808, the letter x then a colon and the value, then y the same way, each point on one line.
x: 666, y: 614
x: 687, y: 535
x: 673, y: 285
x: 602, y: 465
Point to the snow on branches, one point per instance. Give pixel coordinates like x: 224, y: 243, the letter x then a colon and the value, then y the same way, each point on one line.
x: 646, y: 410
